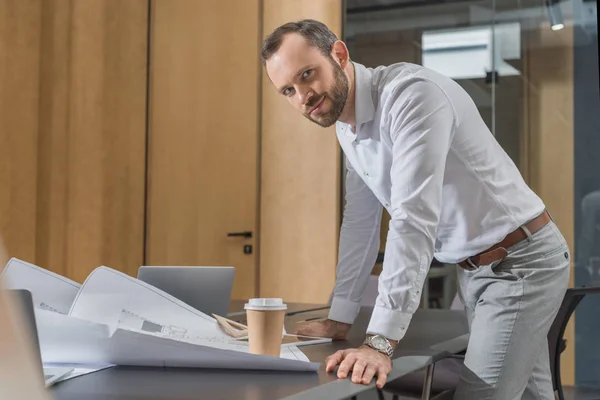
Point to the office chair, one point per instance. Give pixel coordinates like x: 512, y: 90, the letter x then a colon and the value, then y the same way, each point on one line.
x: 422, y: 384
x: 557, y: 344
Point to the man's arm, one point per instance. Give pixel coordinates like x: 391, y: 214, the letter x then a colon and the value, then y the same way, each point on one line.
x: 358, y: 247
x: 422, y: 126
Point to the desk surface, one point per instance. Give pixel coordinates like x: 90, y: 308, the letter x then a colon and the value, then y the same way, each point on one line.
x: 431, y: 335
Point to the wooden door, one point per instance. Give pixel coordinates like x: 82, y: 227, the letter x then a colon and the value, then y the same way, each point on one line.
x: 548, y: 140
x: 73, y: 133
x: 203, y: 139
x: 300, y: 181
x: 20, y: 28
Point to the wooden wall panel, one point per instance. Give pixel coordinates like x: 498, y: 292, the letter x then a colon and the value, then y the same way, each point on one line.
x: 107, y: 136
x: 300, y: 181
x: 204, y: 135
x: 547, y: 146
x: 19, y: 99
x: 55, y: 99
x: 77, y: 139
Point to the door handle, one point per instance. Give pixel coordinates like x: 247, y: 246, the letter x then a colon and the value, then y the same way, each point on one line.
x: 246, y: 234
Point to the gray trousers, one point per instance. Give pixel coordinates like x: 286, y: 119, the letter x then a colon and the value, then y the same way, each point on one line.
x: 510, y: 305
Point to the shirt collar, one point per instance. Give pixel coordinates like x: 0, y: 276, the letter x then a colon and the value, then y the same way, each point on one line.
x: 363, y: 83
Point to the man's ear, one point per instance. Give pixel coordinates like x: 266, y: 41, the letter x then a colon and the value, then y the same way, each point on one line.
x: 340, y: 53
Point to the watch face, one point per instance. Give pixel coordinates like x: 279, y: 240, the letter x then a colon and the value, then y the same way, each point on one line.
x: 379, y: 342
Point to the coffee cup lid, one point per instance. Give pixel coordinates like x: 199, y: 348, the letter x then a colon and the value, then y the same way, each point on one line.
x: 265, y: 304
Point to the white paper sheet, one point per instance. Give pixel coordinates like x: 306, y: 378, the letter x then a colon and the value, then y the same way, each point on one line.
x: 106, y: 293
x: 114, y: 319
x: 133, y: 348
x: 64, y: 339
x: 152, y: 328
x: 77, y: 369
x: 136, y: 323
x: 289, y: 340
x: 50, y: 291
x: 68, y: 340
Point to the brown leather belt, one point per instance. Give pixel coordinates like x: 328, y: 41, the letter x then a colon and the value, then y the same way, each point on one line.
x: 498, y: 251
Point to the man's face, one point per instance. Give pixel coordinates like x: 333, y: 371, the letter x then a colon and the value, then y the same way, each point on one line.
x: 313, y: 83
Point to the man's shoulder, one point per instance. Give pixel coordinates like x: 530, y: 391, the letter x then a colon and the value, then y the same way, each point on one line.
x: 393, y: 79
x: 406, y: 82
x: 393, y: 74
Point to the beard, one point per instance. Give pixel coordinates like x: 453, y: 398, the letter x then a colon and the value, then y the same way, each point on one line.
x: 337, y: 95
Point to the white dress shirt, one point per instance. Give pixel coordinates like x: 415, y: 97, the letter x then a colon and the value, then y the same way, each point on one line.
x: 421, y: 150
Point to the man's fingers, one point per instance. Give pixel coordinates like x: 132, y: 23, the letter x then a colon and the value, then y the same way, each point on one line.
x: 346, y: 365
x: 364, y: 366
x: 333, y: 360
x: 381, y: 377
x: 357, y: 371
x: 368, y: 375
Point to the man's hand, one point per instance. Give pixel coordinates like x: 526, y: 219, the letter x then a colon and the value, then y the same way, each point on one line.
x: 324, y: 328
x: 364, y: 363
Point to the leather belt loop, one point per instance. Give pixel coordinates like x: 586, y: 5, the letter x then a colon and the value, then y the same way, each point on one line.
x: 471, y: 263
x: 524, y: 229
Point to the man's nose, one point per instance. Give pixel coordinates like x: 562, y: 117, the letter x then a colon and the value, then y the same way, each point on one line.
x: 304, y: 96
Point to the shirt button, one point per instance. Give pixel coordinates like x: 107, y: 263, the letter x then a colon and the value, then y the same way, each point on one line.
x: 387, y: 204
x: 367, y: 174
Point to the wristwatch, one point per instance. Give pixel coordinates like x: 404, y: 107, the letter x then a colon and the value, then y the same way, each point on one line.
x: 379, y: 343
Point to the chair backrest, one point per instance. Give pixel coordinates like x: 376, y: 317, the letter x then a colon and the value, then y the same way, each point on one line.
x: 570, y: 302
x: 556, y: 343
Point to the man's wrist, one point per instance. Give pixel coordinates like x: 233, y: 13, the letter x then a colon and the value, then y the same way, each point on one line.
x: 339, y: 324
x: 392, y: 342
x: 338, y: 329
x: 380, y: 344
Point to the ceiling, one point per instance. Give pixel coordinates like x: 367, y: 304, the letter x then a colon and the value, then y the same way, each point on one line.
x: 372, y: 16
x: 374, y: 5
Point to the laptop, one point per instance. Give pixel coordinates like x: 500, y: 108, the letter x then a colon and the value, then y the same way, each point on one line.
x: 207, y: 289
x: 25, y: 301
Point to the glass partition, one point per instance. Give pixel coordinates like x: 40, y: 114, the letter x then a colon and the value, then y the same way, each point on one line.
x: 531, y: 66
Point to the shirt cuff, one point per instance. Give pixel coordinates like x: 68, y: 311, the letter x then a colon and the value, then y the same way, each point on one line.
x: 343, y: 310
x: 390, y: 323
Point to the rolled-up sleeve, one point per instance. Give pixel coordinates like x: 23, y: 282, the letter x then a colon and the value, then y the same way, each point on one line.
x: 358, y: 247
x: 421, y: 124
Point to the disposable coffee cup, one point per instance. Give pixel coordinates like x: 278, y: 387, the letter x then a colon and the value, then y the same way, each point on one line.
x: 265, y: 325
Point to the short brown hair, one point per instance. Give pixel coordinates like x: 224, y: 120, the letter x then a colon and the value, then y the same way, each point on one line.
x: 316, y: 34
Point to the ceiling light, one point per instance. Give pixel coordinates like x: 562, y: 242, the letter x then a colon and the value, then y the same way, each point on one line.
x: 555, y: 15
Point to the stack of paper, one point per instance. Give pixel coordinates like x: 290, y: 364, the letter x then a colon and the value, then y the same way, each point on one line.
x: 118, y: 320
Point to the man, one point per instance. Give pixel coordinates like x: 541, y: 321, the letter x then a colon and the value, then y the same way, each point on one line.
x: 416, y: 145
